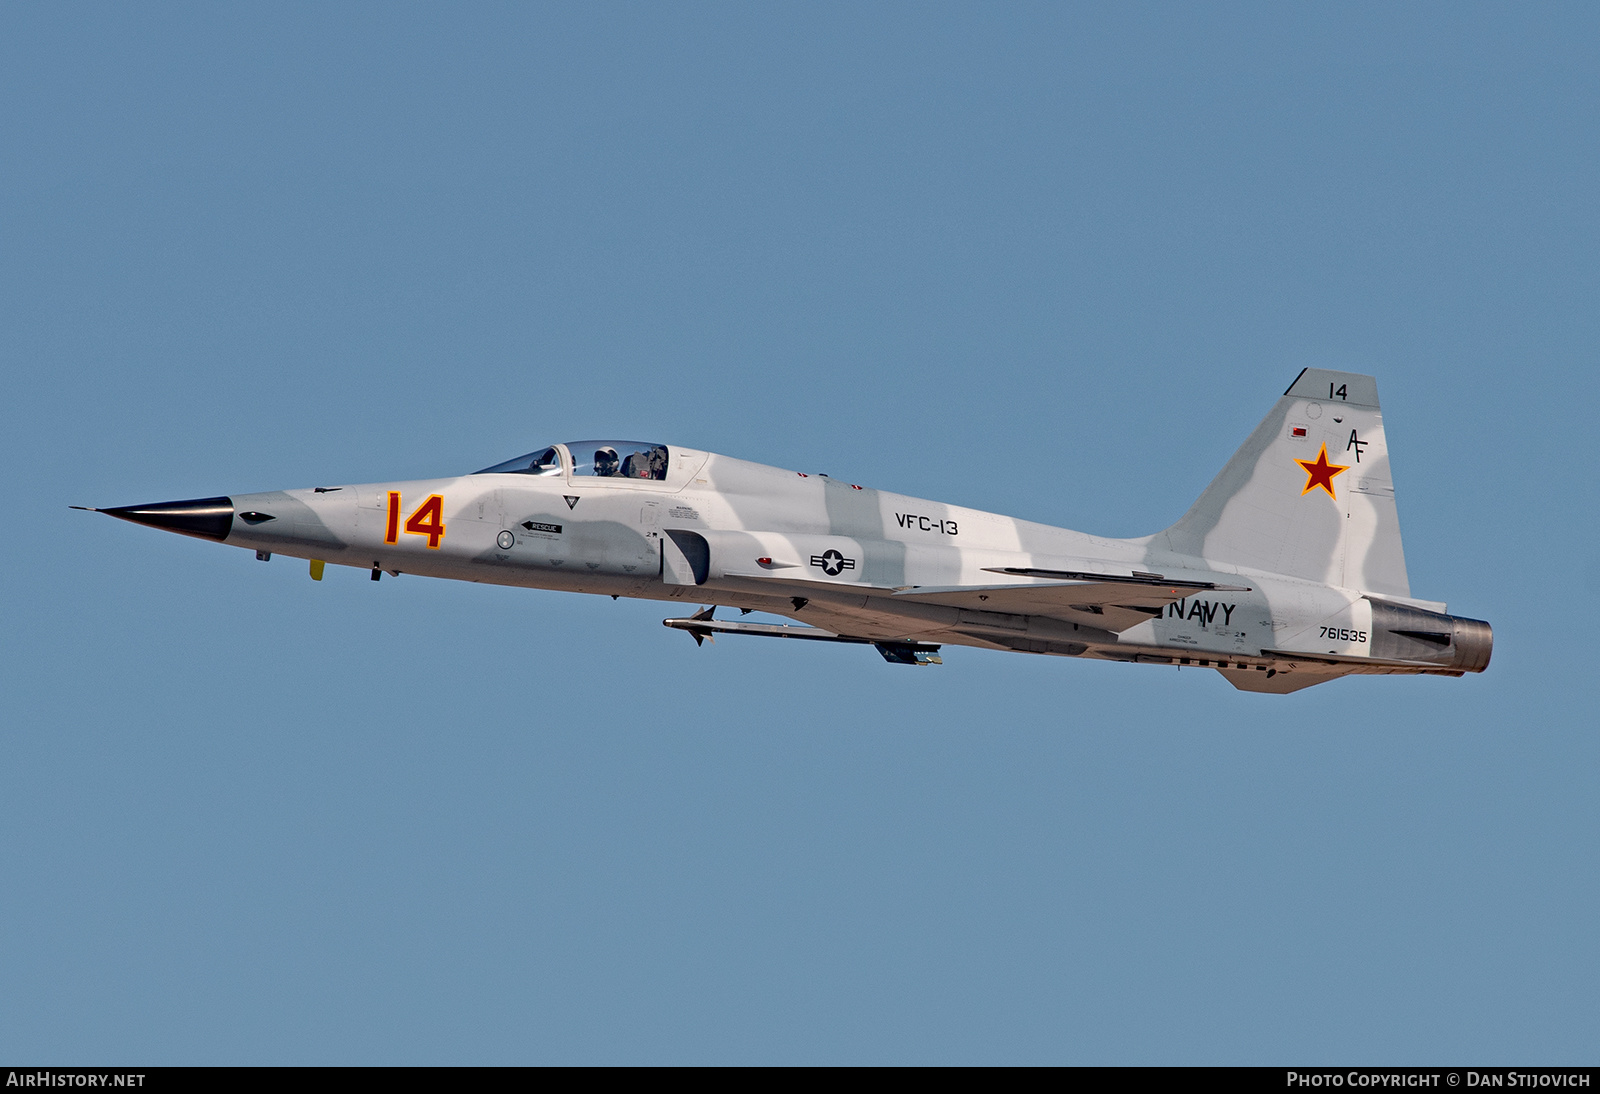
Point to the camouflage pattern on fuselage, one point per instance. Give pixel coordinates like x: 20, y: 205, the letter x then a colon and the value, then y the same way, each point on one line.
x: 1287, y: 572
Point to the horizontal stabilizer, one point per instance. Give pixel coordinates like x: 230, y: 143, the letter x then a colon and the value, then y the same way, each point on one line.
x: 1339, y: 659
x: 1275, y: 683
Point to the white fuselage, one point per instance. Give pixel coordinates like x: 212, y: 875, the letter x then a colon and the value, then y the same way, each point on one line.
x: 768, y: 534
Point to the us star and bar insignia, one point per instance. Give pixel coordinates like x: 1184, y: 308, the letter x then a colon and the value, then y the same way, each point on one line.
x: 1320, y: 472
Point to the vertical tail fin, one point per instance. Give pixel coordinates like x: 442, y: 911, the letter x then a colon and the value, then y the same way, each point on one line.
x: 1309, y: 494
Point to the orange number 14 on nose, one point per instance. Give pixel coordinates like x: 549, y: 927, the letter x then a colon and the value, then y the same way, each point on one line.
x: 428, y: 520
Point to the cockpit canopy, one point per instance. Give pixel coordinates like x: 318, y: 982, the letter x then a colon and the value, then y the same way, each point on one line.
x: 596, y: 459
x: 546, y: 461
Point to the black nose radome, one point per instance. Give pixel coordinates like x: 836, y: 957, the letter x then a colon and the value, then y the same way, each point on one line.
x: 208, y: 518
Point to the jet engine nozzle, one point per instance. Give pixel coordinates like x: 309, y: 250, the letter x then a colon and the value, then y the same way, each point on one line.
x: 1474, y: 642
x: 1404, y: 633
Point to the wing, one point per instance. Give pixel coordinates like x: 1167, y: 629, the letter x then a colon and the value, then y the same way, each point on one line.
x: 1109, y: 602
x: 775, y: 565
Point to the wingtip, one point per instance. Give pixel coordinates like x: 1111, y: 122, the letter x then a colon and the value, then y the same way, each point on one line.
x: 84, y: 508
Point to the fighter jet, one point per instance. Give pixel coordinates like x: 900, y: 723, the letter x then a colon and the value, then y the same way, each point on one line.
x: 1287, y: 572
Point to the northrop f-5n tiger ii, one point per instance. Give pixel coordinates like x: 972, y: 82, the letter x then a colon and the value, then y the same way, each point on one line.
x: 1287, y: 572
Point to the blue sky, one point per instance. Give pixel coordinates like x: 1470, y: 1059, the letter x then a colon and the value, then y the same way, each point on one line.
x: 1051, y: 261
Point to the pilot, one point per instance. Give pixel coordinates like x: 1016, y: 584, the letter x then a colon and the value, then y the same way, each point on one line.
x: 605, y: 461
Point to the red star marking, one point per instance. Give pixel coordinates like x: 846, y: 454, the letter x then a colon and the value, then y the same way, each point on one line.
x: 1321, y: 473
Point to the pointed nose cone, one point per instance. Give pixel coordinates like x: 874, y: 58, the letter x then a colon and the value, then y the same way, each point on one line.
x: 208, y: 518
